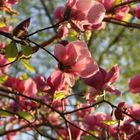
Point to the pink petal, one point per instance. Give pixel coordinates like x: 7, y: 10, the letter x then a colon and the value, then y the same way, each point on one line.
x: 85, y: 67
x: 134, y: 84
x: 96, y: 13
x: 98, y: 80
x: 70, y: 79
x: 59, y: 51
x: 113, y: 90
x: 112, y: 75
x: 82, y: 5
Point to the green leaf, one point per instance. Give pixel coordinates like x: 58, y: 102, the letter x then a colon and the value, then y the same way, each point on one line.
x: 89, y: 138
x: 27, y: 50
x: 3, y: 79
x: 60, y: 138
x: 27, y: 65
x: 110, y: 122
x: 59, y: 95
x: 2, y: 24
x: 24, y: 76
x: 4, y: 113
x: 11, y: 51
x: 88, y: 35
x: 25, y: 115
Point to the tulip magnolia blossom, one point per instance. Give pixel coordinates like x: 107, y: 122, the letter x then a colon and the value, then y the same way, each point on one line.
x: 76, y: 59
x: 103, y: 80
x: 81, y: 13
x: 27, y: 87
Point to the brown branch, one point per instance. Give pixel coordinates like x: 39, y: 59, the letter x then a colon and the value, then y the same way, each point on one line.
x: 3, y: 89
x: 46, y: 28
x: 48, y: 14
x: 20, y: 117
x: 81, y: 129
x: 122, y: 23
x: 116, y: 39
x: 45, y: 50
x: 34, y: 50
x: 18, y: 129
x: 124, y: 112
x: 83, y: 108
x: 114, y: 8
x: 134, y: 135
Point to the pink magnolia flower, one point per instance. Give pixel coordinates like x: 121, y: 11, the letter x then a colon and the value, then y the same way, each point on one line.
x: 60, y: 81
x: 96, y: 121
x: 137, y: 12
x: 76, y: 59
x: 81, y: 13
x: 41, y: 83
x: 103, y: 80
x: 134, y: 84
x: 27, y: 87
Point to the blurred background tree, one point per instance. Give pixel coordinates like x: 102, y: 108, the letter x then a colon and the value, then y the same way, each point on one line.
x: 113, y: 45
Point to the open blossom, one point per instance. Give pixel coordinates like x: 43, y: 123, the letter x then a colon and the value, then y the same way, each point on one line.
x: 94, y: 122
x: 76, y: 59
x: 27, y: 87
x: 134, y: 84
x: 81, y: 13
x: 59, y: 81
x: 103, y: 80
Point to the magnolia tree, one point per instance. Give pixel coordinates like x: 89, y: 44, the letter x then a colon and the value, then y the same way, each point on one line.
x: 74, y: 102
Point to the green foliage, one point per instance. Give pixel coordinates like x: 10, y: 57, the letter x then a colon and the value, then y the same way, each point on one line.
x: 4, y: 113
x: 27, y: 65
x: 110, y: 122
x: 25, y: 115
x: 11, y: 51
x: 27, y: 50
x: 3, y: 79
x: 59, y: 95
x: 89, y: 138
